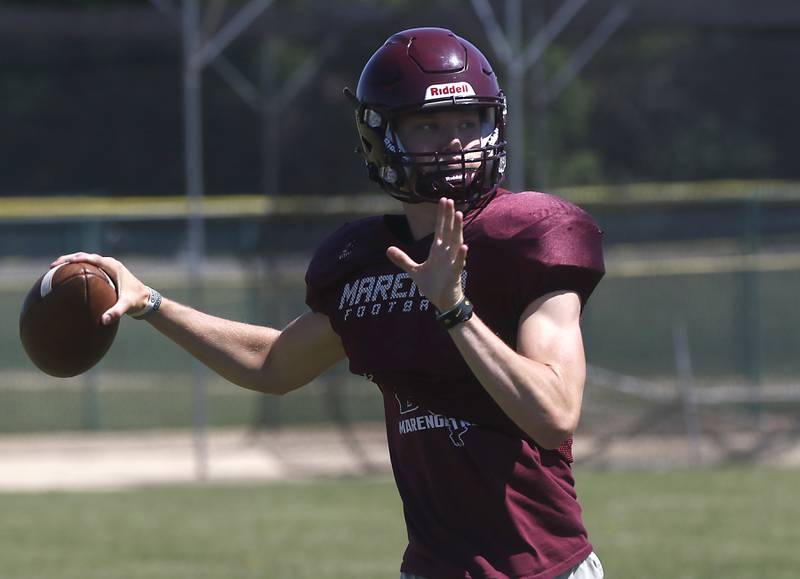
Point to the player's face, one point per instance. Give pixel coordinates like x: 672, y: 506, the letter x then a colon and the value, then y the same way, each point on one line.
x: 449, y: 131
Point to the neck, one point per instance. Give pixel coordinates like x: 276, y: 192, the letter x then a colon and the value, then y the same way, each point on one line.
x: 421, y: 218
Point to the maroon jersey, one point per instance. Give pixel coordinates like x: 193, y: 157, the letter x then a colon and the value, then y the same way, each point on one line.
x: 480, y: 497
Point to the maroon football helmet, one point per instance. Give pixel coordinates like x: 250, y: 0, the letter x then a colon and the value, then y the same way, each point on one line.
x: 429, y: 69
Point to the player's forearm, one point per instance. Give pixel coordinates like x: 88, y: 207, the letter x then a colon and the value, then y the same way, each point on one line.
x: 533, y: 394
x: 234, y: 350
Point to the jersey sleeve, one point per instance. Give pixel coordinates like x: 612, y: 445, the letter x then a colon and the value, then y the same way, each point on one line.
x: 315, y: 291
x: 350, y: 247
x: 562, y: 252
x: 322, y: 273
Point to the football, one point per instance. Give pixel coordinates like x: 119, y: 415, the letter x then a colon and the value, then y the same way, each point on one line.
x: 59, y: 324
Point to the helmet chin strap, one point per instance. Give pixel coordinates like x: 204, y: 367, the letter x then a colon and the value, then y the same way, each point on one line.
x: 426, y: 190
x: 436, y: 184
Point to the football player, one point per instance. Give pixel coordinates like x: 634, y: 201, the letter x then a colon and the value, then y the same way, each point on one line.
x: 464, y: 310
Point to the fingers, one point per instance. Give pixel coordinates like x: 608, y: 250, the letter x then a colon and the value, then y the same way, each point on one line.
x: 447, y: 226
x: 133, y: 296
x: 439, y: 231
x: 114, y: 313
x: 108, y: 264
x: 449, y: 230
x: 92, y: 258
x: 449, y: 223
x: 460, y: 260
x: 400, y: 258
x: 457, y: 233
x: 132, y: 293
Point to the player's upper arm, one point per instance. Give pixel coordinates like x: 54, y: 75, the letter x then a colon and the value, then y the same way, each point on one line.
x: 304, y: 349
x: 549, y: 333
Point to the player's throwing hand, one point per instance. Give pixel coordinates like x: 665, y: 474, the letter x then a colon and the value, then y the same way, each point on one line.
x: 133, y: 294
x: 439, y: 277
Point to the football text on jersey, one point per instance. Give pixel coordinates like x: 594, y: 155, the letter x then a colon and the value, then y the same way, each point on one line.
x: 375, y: 295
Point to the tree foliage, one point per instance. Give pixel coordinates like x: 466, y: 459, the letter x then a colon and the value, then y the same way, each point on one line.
x: 101, y: 111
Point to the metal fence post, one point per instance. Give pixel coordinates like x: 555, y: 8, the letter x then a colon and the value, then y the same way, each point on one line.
x: 91, y: 241
x: 683, y: 365
x: 751, y: 334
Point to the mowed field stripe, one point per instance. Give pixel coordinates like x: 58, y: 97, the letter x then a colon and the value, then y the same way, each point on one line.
x: 368, y: 203
x: 176, y: 207
x: 707, y: 264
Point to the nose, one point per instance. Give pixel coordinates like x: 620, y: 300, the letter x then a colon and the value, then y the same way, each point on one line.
x: 453, y: 145
x: 453, y: 138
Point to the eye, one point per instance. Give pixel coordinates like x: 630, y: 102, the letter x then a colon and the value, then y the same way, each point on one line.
x: 427, y: 126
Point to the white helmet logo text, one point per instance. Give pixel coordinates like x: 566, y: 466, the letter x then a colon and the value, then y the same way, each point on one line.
x: 437, y: 91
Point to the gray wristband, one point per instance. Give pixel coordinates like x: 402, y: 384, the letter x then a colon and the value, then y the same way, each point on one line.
x: 153, y: 303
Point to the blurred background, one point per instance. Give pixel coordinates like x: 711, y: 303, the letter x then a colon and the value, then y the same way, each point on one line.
x: 207, y: 143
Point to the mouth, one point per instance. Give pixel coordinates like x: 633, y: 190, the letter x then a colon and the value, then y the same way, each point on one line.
x: 453, y: 169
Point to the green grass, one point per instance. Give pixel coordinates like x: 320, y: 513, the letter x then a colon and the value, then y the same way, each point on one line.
x: 329, y: 529
x: 737, y: 524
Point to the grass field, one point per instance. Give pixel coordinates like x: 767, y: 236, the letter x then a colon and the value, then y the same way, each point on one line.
x: 736, y: 524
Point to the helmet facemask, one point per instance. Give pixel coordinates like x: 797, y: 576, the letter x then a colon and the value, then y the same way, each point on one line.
x: 414, y: 175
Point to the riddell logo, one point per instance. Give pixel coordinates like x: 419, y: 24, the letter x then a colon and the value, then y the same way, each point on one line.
x: 437, y: 91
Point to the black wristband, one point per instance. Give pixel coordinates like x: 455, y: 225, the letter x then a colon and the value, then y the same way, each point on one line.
x: 458, y: 314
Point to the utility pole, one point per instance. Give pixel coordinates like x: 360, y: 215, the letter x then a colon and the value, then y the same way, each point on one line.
x: 197, y: 55
x: 517, y: 60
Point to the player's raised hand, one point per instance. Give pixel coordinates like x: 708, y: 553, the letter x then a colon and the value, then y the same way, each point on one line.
x: 132, y: 294
x: 439, y: 277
